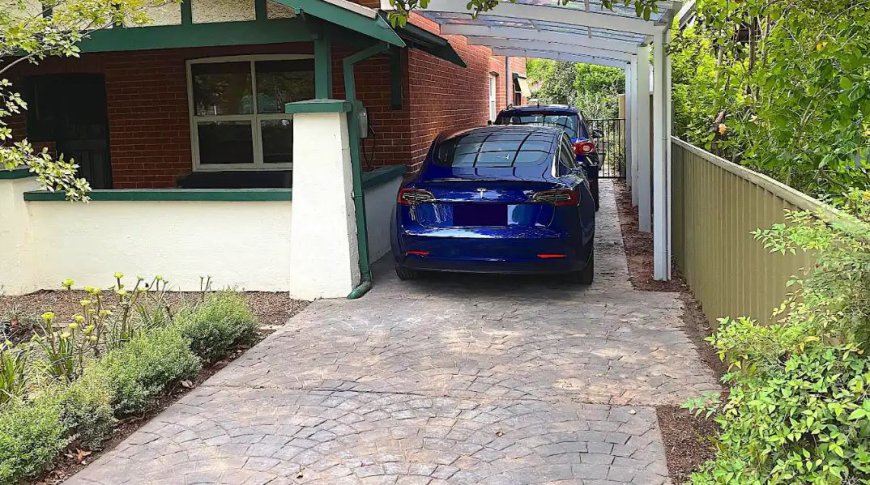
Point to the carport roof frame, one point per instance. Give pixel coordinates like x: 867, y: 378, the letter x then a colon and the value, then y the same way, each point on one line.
x: 579, y: 31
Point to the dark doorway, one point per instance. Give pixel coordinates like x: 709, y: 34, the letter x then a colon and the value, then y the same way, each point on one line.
x: 70, y: 111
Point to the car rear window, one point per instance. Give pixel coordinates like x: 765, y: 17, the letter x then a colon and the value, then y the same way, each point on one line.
x: 497, y: 149
x: 568, y: 122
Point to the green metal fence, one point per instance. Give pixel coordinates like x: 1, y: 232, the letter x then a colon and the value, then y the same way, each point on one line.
x: 716, y: 204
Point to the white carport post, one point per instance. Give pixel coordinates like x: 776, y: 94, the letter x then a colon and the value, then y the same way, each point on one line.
x: 661, y: 159
x: 643, y: 169
x: 629, y: 100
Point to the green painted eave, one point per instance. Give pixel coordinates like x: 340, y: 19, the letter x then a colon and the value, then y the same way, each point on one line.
x: 200, y: 35
x: 17, y: 173
x: 318, y: 106
x: 428, y: 42
x: 162, y: 195
x: 375, y: 27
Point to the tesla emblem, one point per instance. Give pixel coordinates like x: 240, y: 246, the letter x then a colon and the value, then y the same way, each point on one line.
x: 481, y: 191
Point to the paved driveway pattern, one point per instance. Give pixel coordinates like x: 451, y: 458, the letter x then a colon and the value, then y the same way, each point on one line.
x: 451, y: 379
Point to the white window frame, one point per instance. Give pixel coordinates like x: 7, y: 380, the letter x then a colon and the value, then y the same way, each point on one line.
x: 492, y: 89
x: 254, y: 118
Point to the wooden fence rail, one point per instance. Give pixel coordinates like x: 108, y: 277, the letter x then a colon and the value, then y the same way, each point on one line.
x: 716, y: 205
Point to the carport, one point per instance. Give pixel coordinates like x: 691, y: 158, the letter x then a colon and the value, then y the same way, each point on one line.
x: 587, y: 32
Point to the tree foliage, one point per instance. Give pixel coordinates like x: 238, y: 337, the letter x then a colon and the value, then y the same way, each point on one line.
x: 781, y: 86
x: 30, y: 34
x: 592, y: 89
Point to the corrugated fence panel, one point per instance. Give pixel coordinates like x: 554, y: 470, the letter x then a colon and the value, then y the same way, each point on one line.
x: 716, y: 206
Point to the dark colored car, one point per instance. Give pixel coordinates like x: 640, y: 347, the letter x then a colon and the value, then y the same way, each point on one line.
x: 568, y: 119
x: 499, y: 199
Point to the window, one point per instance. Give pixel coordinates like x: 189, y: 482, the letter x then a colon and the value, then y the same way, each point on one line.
x: 492, y: 95
x: 497, y: 149
x: 237, y: 110
x: 567, y: 157
x: 569, y: 123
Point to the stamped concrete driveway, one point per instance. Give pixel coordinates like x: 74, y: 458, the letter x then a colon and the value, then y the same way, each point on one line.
x: 458, y: 379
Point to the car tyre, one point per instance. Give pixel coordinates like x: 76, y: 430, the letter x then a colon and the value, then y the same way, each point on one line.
x: 406, y: 274
x: 587, y: 274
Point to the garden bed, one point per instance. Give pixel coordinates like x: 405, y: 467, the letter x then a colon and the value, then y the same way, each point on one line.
x: 87, y: 368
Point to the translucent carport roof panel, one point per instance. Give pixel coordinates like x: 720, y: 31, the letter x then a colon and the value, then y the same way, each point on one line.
x: 547, y: 26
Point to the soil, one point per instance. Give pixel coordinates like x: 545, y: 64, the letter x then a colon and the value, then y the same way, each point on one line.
x: 687, y: 438
x: 19, y: 313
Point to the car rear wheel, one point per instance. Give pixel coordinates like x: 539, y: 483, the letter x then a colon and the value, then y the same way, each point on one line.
x: 587, y: 274
x: 406, y: 274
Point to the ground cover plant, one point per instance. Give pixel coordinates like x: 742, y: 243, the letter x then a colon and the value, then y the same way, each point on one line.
x: 70, y: 383
x: 798, y: 409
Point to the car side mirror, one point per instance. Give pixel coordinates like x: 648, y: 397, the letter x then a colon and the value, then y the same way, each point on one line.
x: 596, y: 133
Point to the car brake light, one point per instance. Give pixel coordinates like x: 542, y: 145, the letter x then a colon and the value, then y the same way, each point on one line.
x: 584, y: 147
x: 552, y: 256
x: 557, y: 197
x: 408, y: 196
x: 416, y: 253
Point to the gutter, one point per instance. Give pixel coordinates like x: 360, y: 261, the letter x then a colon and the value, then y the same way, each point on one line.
x: 362, y: 232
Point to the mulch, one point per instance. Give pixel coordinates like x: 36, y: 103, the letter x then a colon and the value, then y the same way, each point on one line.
x: 687, y: 438
x: 271, y: 309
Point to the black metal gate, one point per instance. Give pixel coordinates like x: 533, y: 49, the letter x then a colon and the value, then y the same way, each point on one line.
x: 611, y: 146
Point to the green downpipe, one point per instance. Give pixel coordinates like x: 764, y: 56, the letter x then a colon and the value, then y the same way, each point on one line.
x: 359, y: 202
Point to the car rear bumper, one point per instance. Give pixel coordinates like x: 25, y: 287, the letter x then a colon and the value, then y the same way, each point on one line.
x: 514, y: 251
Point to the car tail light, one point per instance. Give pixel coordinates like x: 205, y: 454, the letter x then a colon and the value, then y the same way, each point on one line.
x: 416, y: 253
x: 552, y: 256
x: 408, y: 196
x: 557, y: 197
x: 584, y: 147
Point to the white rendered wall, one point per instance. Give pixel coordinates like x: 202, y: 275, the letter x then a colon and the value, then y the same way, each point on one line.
x: 245, y: 245
x: 380, y: 204
x: 15, y: 233
x: 324, y: 257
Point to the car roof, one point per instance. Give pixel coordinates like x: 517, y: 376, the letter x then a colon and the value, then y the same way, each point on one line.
x: 555, y: 109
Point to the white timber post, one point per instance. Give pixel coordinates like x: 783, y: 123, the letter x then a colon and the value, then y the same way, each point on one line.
x: 643, y: 174
x: 627, y: 123
x: 509, y: 82
x: 661, y: 161
x: 324, y: 259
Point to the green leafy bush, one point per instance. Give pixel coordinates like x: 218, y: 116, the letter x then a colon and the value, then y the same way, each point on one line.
x: 222, y: 320
x: 31, y: 436
x: 86, y: 410
x: 798, y: 410
x: 143, y: 367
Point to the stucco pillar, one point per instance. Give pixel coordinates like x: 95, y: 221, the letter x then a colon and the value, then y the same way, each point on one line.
x: 324, y: 259
x: 16, y: 258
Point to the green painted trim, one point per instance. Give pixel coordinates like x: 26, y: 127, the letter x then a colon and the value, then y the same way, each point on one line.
x: 161, y: 195
x: 186, y: 12
x: 199, y: 35
x: 323, y: 68
x: 430, y: 43
x: 318, y: 106
x: 375, y: 27
x: 17, y: 173
x: 260, y: 10
x: 381, y: 176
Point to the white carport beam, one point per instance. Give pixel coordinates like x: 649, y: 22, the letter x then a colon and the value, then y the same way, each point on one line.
x: 549, y: 46
x: 558, y: 56
x: 518, y: 33
x: 552, y: 14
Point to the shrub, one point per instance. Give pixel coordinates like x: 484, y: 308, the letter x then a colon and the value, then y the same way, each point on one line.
x: 31, y: 436
x: 13, y: 371
x: 215, y: 325
x: 86, y: 410
x: 798, y: 409
x: 143, y: 367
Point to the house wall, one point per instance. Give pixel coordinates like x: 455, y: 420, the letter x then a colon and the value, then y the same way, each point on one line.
x: 149, y: 126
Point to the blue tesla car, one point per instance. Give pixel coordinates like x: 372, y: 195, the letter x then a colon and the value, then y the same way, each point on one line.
x: 572, y: 122
x: 499, y: 199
